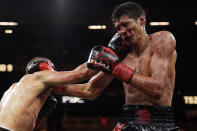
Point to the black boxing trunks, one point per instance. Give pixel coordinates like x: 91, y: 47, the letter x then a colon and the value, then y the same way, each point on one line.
x: 3, y: 129
x: 146, y: 118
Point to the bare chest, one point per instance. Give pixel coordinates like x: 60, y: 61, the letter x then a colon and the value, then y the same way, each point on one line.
x: 141, y: 64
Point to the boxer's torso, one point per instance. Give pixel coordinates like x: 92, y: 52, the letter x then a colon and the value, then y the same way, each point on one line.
x: 142, y: 65
x: 20, y: 106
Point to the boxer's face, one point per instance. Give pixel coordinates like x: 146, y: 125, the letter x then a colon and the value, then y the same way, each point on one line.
x: 129, y: 29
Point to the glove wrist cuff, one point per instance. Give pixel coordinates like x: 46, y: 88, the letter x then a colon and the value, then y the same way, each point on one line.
x: 123, y: 72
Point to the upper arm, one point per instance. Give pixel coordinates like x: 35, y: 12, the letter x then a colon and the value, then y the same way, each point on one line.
x: 163, y: 51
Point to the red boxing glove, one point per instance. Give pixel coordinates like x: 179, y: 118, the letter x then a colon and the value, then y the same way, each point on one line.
x: 39, y: 64
x: 45, y: 66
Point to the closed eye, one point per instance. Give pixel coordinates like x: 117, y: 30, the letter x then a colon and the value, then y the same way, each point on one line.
x: 117, y: 29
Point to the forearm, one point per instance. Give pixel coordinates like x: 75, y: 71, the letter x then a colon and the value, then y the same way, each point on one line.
x: 151, y: 86
x: 79, y: 90
x: 69, y: 77
x: 53, y: 78
x: 90, y: 90
x: 148, y: 85
x: 79, y: 74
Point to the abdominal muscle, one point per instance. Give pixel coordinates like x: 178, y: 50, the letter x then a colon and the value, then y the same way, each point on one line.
x: 133, y: 96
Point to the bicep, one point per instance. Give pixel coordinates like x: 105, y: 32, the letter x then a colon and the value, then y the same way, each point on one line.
x: 163, y: 55
x: 160, y: 68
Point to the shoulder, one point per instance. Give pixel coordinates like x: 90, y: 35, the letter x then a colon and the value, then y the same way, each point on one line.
x: 25, y: 78
x: 37, y: 77
x: 42, y: 75
x: 163, y: 37
x: 163, y: 42
x: 8, y: 91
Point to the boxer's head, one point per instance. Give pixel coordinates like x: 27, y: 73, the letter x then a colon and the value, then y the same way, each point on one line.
x: 31, y: 64
x: 129, y: 19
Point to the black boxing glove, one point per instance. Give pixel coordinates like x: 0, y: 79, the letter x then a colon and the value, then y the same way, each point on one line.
x: 104, y: 59
x: 39, y: 64
x: 120, y: 47
x: 48, y: 107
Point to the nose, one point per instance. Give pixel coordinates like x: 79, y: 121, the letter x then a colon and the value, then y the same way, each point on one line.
x: 122, y: 33
x: 122, y: 30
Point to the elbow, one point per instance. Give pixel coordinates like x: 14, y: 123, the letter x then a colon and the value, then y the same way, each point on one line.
x: 92, y: 95
x: 157, y: 91
x: 91, y: 98
x: 156, y: 95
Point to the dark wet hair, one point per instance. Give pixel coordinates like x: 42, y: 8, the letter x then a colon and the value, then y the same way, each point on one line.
x: 130, y: 9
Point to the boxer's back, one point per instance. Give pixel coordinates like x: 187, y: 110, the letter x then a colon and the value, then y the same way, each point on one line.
x: 20, y: 105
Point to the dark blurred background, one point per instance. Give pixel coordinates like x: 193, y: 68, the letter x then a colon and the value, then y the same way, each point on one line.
x: 58, y: 30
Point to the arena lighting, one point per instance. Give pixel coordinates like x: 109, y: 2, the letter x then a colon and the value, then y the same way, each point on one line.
x: 159, y: 23
x: 70, y: 99
x: 8, y: 31
x: 196, y: 23
x: 97, y: 27
x: 9, y: 67
x: 8, y: 23
x: 4, y: 67
x: 190, y: 100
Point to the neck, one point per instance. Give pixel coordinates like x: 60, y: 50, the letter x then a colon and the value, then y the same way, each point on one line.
x: 141, y: 44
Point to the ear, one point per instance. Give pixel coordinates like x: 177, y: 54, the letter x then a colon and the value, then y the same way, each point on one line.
x: 142, y: 20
